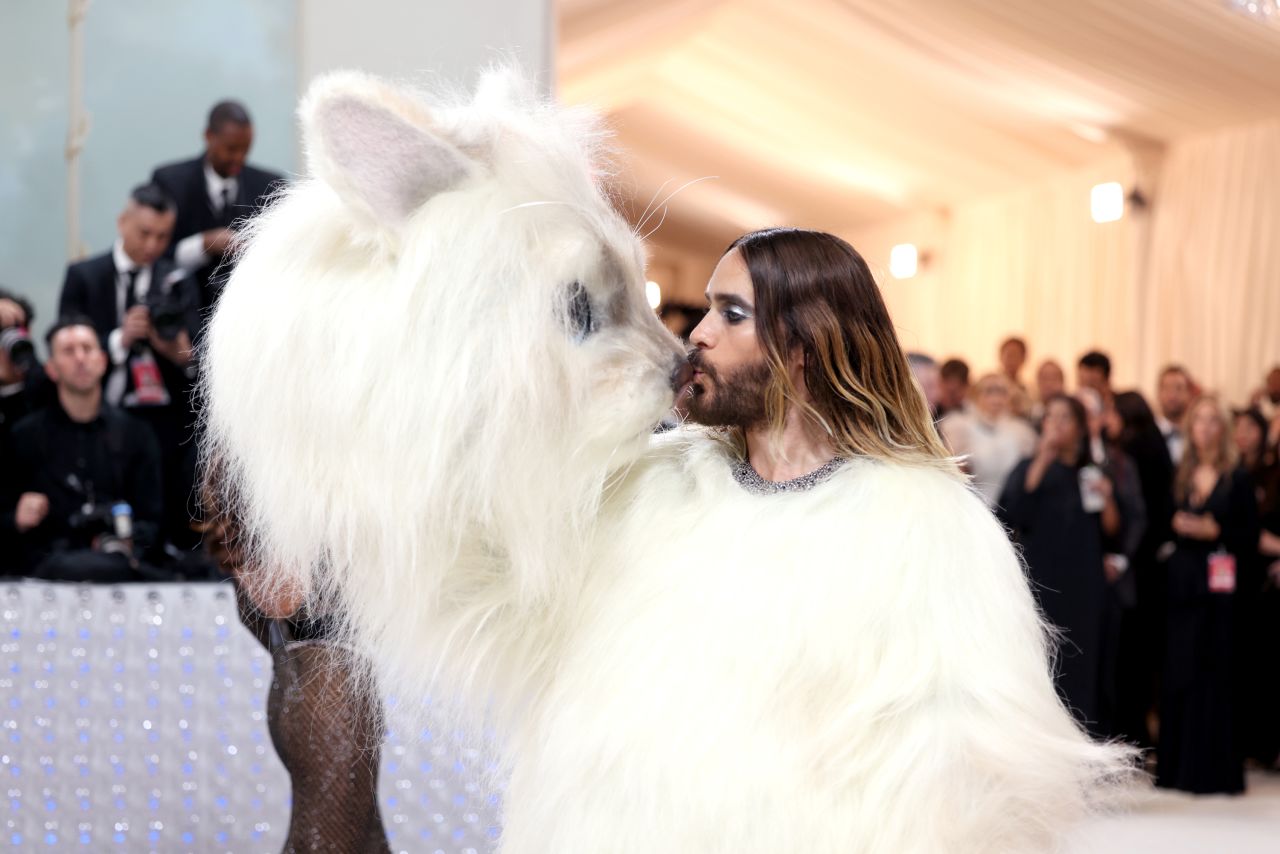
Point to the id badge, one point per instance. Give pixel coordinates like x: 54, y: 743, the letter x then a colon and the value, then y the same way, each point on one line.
x: 1222, y: 573
x: 148, y: 387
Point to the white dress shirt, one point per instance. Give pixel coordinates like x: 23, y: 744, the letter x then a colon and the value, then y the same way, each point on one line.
x: 189, y: 254
x: 1174, y: 440
x: 992, y: 449
x: 141, y: 286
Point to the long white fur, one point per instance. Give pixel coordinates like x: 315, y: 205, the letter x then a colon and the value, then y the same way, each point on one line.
x: 411, y: 435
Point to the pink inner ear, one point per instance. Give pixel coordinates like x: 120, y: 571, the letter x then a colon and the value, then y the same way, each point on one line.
x: 388, y: 164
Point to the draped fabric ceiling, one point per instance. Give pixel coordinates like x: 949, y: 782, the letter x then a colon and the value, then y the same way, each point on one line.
x: 973, y: 128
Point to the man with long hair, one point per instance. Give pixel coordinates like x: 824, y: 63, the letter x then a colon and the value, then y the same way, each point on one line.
x: 798, y: 363
x: 897, y: 653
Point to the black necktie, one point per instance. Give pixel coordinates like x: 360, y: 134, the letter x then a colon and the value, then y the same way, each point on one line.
x: 224, y: 212
x: 130, y: 291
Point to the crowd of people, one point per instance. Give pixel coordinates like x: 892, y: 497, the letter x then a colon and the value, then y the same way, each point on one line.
x: 96, y: 444
x: 1152, y: 539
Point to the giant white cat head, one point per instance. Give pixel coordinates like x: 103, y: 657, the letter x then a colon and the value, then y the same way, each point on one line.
x: 435, y: 343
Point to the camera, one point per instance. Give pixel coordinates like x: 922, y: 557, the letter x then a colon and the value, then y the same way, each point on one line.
x: 15, y: 342
x: 107, y: 525
x: 169, y: 305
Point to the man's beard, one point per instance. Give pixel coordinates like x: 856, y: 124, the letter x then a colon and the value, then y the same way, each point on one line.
x: 732, y: 400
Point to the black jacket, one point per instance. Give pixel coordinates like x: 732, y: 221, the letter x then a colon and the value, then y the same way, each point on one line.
x: 90, y: 289
x: 112, y: 458
x: 184, y: 181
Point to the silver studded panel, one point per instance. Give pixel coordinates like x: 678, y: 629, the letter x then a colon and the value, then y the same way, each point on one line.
x: 134, y: 720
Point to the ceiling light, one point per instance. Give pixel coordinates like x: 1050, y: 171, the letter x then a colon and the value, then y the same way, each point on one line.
x: 1267, y: 11
x: 904, y: 260
x: 653, y: 293
x: 1106, y: 202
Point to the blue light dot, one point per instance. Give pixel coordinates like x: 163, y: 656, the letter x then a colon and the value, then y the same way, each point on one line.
x: 51, y: 839
x: 187, y: 837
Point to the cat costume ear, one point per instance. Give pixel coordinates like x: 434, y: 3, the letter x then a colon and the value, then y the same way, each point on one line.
x: 379, y: 150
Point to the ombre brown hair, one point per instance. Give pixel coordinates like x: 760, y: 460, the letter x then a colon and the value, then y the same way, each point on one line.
x: 1224, y: 455
x: 813, y: 291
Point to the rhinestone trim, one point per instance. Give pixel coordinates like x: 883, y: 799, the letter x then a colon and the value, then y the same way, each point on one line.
x: 750, y: 480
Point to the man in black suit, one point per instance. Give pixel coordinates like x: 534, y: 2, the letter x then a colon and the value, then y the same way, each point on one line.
x: 213, y: 191
x: 81, y: 497
x: 144, y: 309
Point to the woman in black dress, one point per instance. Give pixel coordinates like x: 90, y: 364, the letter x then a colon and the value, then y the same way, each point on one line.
x: 1061, y: 507
x: 1215, y: 533
x: 1261, y: 632
x: 1142, y: 638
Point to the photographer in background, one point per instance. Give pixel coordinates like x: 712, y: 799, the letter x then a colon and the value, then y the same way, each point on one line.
x: 81, y: 488
x: 23, y: 385
x: 144, y: 308
x: 23, y: 389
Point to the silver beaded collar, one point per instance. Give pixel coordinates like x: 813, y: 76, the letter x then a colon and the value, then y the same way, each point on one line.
x: 752, y: 482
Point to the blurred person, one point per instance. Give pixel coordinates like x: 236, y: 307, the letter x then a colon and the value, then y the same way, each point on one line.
x: 23, y: 389
x: 145, y: 310
x: 1094, y: 371
x: 990, y: 438
x: 213, y: 192
x: 1106, y: 452
x: 1131, y: 425
x: 1261, y: 611
x: 1216, y: 532
x: 1051, y: 380
x: 1062, y: 509
x: 1119, y: 655
x: 925, y: 371
x: 1257, y: 457
x: 81, y: 491
x: 23, y: 385
x: 1013, y: 356
x: 1174, y: 394
x: 1267, y: 398
x: 119, y: 290
x: 681, y: 319
x: 953, y: 390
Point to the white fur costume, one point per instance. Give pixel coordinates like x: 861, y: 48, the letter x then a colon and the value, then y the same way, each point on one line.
x: 419, y: 427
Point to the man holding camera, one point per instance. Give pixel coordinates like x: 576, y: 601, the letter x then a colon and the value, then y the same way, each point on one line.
x: 144, y: 307
x: 81, y: 492
x: 23, y: 386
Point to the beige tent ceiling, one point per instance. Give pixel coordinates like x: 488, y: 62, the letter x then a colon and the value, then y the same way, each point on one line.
x: 844, y: 113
